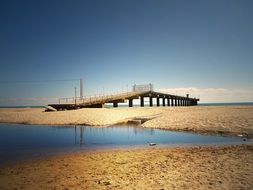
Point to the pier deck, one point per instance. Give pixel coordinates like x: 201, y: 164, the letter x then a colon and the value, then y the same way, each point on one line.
x: 100, y: 101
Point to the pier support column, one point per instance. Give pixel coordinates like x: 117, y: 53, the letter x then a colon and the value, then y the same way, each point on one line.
x: 142, y: 101
x: 115, y: 104
x: 150, y: 101
x: 175, y: 101
x: 168, y: 102
x: 157, y: 102
x: 163, y: 101
x: 172, y: 101
x: 130, y: 101
x: 181, y: 102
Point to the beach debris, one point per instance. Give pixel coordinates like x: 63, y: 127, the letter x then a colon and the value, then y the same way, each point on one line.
x: 152, y: 144
x: 134, y: 122
x: 107, y: 183
x: 243, y: 135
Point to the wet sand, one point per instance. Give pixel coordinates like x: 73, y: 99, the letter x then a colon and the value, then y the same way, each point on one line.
x: 216, y: 119
x: 152, y: 168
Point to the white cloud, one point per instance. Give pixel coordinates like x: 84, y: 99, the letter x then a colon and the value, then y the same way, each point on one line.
x: 214, y: 94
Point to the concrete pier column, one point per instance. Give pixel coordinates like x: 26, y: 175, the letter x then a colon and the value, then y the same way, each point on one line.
x: 163, y: 101
x: 142, y: 101
x: 150, y: 101
x: 181, y: 102
x: 172, y: 101
x: 168, y: 102
x: 187, y: 102
x: 157, y: 102
x: 115, y: 104
x: 175, y: 101
x: 130, y: 101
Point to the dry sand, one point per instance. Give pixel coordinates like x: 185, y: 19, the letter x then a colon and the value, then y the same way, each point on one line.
x: 153, y: 168
x: 234, y: 120
x: 227, y: 119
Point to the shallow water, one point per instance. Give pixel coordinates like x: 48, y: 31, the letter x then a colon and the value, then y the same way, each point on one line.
x: 22, y: 142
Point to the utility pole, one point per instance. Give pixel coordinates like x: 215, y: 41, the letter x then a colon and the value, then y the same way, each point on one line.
x: 75, y: 97
x: 81, y: 88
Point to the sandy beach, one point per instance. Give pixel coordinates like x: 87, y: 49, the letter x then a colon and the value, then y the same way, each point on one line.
x: 216, y: 119
x: 152, y: 168
x: 206, y: 167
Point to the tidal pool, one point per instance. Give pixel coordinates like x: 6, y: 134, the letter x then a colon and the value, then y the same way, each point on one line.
x: 22, y: 142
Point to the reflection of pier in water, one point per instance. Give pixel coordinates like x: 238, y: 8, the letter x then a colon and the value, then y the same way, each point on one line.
x: 80, y: 131
x: 81, y: 139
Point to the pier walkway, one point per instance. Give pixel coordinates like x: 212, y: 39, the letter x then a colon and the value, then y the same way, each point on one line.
x: 162, y: 99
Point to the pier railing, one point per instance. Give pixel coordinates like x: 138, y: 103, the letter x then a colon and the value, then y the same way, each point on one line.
x: 95, y: 98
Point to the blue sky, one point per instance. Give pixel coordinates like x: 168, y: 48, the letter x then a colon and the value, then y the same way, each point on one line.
x: 110, y: 44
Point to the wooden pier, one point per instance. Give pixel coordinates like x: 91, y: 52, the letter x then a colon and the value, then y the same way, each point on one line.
x: 162, y: 99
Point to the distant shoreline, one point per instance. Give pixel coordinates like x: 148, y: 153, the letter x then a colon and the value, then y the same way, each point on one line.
x: 2, y: 107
